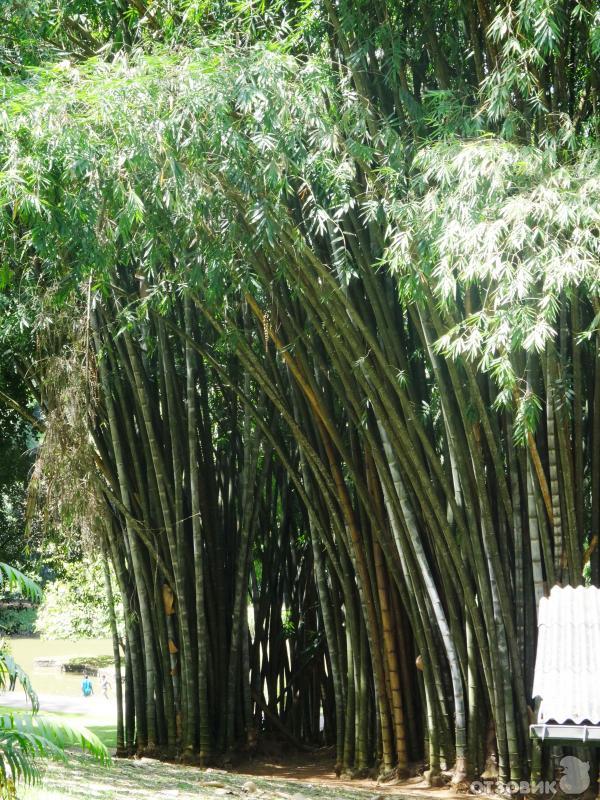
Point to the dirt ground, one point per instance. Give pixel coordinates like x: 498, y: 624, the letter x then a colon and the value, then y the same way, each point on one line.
x: 317, y: 768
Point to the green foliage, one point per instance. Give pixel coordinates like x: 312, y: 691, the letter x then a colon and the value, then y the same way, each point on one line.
x: 511, y: 221
x: 74, y: 606
x: 79, y: 663
x: 16, y: 457
x: 11, y: 672
x: 25, y: 738
x: 17, y: 620
x: 14, y: 579
x: 205, y: 156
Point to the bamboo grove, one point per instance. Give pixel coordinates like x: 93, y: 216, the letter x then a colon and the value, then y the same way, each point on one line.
x: 313, y: 328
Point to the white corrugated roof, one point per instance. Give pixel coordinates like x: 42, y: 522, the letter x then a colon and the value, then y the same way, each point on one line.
x: 567, y: 666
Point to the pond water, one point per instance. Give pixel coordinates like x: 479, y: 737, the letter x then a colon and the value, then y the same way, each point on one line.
x: 48, y: 680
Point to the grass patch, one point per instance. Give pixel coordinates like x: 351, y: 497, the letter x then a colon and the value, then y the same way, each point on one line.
x: 107, y: 733
x: 83, y: 778
x: 143, y: 779
x: 87, y: 663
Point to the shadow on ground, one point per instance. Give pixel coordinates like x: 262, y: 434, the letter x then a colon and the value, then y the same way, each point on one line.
x: 143, y: 779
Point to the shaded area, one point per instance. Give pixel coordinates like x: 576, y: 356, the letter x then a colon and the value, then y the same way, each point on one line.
x: 136, y: 779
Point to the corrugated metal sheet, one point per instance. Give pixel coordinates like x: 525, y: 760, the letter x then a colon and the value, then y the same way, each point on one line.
x: 567, y: 666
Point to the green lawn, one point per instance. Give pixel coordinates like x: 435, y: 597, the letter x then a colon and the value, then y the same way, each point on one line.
x: 106, y: 733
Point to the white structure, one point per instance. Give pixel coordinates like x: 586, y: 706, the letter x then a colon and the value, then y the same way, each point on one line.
x: 567, y: 668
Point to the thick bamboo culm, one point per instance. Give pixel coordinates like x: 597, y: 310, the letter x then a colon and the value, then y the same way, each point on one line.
x: 317, y: 534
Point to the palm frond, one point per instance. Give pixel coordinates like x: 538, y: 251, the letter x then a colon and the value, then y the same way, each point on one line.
x: 50, y: 736
x: 26, y: 738
x: 10, y: 672
x: 16, y: 580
